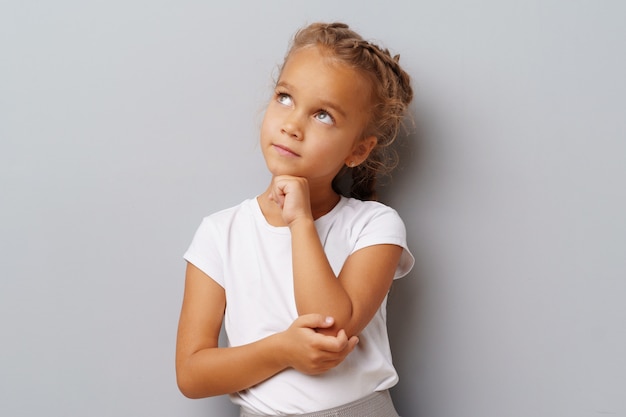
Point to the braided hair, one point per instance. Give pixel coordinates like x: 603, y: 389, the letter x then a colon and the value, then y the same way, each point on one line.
x: 391, y: 94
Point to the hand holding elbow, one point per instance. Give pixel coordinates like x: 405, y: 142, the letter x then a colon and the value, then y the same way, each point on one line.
x: 312, y: 352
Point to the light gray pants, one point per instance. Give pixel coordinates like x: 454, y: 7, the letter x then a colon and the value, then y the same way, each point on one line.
x: 378, y: 404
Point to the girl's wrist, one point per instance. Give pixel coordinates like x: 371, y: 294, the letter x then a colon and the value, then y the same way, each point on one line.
x: 302, y: 222
x: 278, y: 350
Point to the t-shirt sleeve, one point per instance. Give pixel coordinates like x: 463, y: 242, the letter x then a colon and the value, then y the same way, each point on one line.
x: 203, y: 252
x: 386, y: 227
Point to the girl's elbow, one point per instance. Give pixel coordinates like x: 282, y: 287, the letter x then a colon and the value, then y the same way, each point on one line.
x: 187, y: 393
x: 187, y: 386
x: 350, y: 327
x: 190, y: 391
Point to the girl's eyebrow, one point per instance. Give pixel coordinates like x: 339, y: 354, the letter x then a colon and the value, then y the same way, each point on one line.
x: 324, y: 103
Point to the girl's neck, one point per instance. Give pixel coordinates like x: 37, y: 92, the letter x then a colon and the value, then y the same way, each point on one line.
x: 322, y: 203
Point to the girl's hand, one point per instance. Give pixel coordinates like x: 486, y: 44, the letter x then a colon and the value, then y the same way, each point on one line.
x: 291, y: 194
x: 311, y: 352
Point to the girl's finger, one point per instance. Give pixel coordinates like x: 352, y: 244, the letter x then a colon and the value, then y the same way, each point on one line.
x: 314, y: 321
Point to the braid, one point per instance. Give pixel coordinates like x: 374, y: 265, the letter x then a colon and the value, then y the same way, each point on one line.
x: 395, y: 88
x: 391, y: 94
x: 392, y: 62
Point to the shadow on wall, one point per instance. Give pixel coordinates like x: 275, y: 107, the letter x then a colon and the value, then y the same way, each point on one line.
x: 405, y: 305
x: 403, y: 313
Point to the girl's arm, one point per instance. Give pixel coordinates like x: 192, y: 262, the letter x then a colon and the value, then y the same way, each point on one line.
x: 203, y: 369
x: 352, y: 298
x: 355, y: 295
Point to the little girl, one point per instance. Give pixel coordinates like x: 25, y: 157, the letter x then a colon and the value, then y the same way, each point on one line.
x: 300, y: 274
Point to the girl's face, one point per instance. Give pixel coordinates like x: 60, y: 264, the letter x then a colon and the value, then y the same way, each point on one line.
x: 315, y: 121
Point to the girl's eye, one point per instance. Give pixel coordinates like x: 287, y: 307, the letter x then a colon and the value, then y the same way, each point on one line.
x: 325, y: 117
x: 284, y: 99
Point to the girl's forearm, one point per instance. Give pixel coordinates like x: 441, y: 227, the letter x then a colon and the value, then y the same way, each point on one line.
x: 216, y: 371
x: 316, y: 287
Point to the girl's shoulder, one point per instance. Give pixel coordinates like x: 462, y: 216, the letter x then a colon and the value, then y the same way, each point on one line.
x: 358, y: 212
x: 226, y: 216
x: 354, y: 206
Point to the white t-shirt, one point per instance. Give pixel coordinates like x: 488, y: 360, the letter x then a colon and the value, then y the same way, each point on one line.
x: 251, y: 260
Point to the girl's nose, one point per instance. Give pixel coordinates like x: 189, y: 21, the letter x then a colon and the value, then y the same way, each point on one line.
x: 292, y: 127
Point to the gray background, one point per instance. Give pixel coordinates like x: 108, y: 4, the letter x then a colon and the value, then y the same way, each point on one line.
x: 123, y: 123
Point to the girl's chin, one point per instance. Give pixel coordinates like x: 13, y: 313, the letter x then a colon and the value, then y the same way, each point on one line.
x: 277, y: 170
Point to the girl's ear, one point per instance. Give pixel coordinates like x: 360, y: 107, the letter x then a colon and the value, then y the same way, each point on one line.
x: 361, y: 151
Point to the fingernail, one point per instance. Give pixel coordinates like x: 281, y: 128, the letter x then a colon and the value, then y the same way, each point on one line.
x: 329, y: 320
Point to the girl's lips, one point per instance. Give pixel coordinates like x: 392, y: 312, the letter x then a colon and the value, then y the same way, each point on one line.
x: 283, y: 150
